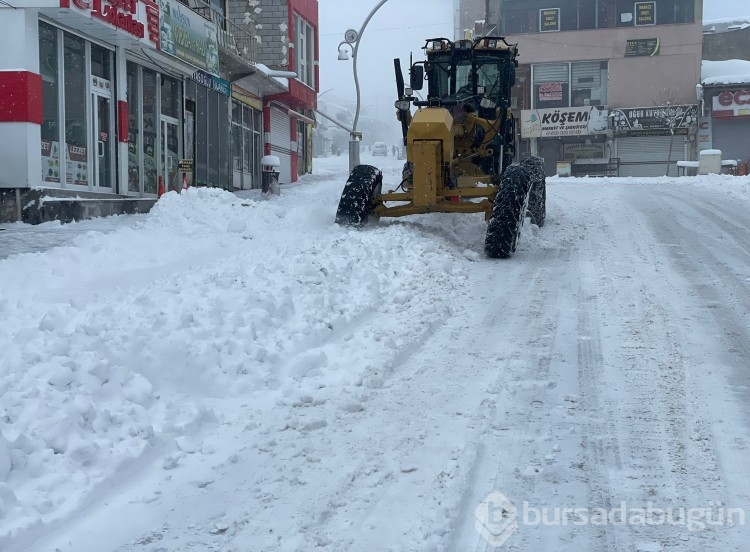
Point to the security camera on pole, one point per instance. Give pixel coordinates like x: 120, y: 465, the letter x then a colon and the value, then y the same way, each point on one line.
x: 351, y: 40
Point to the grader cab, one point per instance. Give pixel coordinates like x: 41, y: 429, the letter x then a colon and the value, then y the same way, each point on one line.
x: 460, y: 143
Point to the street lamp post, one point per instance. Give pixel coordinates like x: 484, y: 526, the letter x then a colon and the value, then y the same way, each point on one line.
x: 351, y: 39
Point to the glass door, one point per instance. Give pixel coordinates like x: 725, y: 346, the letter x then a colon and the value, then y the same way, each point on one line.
x: 170, y: 153
x: 103, y: 141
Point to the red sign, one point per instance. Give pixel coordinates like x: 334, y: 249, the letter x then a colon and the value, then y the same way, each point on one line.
x: 551, y: 92
x: 739, y: 98
x: 731, y: 103
x: 123, y: 15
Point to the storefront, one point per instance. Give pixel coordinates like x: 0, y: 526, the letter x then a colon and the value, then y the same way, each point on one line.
x: 280, y: 143
x: 730, y: 123
x: 565, y: 134
x: 247, y: 139
x: 155, y: 122
x: 110, y: 122
x: 650, y: 140
x: 205, y: 123
x: 115, y: 95
x: 207, y: 120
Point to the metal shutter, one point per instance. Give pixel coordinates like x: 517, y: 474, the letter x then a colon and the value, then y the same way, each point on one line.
x: 550, y: 73
x: 281, y: 143
x: 586, y: 75
x: 730, y: 136
x: 648, y: 155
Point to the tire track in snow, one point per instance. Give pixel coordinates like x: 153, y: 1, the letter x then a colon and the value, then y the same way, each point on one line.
x: 508, y: 457
x: 599, y: 441
x: 666, y: 445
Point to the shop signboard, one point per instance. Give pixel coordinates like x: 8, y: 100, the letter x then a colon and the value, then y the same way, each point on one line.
x: 582, y: 150
x: 210, y: 81
x: 567, y: 121
x: 188, y: 36
x: 731, y: 103
x: 654, y: 121
x: 136, y: 18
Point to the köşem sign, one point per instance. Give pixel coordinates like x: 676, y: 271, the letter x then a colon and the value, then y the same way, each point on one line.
x: 571, y: 121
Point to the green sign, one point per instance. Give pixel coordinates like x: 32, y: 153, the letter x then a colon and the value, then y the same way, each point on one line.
x: 642, y: 47
x: 188, y: 36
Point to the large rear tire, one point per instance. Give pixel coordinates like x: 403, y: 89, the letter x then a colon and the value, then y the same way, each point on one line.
x: 358, y: 199
x: 537, y: 210
x: 508, y: 213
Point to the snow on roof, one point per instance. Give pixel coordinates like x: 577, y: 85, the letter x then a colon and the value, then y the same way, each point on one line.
x: 733, y: 71
x: 726, y: 24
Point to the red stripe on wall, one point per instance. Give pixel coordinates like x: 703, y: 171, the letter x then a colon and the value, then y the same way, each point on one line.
x: 21, y: 101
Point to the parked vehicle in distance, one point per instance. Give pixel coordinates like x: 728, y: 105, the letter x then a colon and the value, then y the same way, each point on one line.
x: 379, y: 148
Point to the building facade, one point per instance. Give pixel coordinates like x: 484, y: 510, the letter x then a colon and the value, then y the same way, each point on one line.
x: 606, y: 85
x: 725, y: 90
x: 117, y: 101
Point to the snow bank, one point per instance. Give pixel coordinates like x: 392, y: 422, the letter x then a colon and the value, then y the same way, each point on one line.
x: 111, y: 347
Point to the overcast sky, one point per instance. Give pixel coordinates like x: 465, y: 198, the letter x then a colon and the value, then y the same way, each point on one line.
x: 397, y: 29
x: 720, y: 9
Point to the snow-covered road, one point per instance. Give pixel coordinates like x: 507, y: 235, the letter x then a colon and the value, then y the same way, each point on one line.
x: 233, y: 374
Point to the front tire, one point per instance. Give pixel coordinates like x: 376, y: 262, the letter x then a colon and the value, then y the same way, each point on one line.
x: 359, y: 197
x: 508, y: 213
x: 537, y: 210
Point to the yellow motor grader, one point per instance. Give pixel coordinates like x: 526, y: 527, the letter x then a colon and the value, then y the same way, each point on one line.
x: 460, y: 143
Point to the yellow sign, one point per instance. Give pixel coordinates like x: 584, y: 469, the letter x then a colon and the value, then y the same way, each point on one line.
x: 246, y: 98
x: 645, y: 13
x: 549, y: 20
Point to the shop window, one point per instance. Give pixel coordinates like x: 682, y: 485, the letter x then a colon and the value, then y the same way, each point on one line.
x: 225, y: 169
x: 76, y: 120
x: 570, y: 85
x: 248, y: 122
x: 304, y: 51
x: 49, y: 66
x: 551, y: 85
x: 170, y: 97
x: 101, y: 62
x: 588, y: 83
x: 150, y: 133
x: 257, y: 144
x: 522, y: 16
x: 134, y: 128
x: 213, y: 139
x: 655, y: 12
x: 201, y: 136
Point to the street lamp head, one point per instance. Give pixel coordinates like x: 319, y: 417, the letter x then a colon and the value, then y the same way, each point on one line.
x: 344, y: 46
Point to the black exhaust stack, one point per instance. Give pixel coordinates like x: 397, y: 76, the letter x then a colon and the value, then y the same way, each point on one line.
x: 400, y: 91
